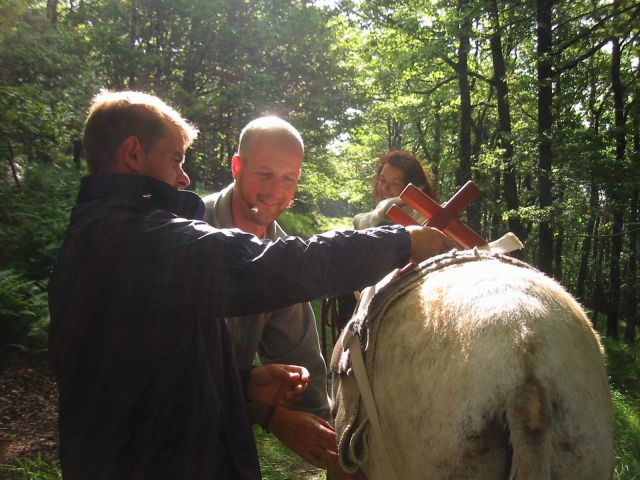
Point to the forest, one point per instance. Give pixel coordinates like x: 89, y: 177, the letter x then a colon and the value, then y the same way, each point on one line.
x: 536, y: 101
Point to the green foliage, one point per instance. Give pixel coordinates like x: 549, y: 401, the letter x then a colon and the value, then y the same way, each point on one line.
x: 335, y: 223
x: 300, y: 225
x: 36, y: 468
x: 223, y: 63
x: 24, y: 318
x: 45, y: 87
x: 34, y: 218
x: 308, y: 224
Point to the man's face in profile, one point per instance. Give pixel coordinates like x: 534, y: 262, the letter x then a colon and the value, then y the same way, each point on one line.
x: 165, y: 159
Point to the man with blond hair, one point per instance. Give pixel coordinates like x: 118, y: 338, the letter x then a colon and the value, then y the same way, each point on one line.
x: 149, y: 387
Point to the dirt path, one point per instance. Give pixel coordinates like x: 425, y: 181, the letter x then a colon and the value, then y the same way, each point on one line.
x: 28, y: 413
x: 28, y: 426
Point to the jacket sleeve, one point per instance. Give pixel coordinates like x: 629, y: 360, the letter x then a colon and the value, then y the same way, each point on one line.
x: 232, y: 273
x: 377, y: 216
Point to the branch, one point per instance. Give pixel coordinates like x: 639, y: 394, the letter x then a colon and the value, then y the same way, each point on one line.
x: 442, y: 83
x: 588, y: 31
x: 577, y: 60
x: 526, y: 114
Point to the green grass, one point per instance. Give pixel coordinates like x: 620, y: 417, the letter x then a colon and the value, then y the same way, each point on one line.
x: 277, y: 462
x: 627, y: 436
x: 624, y: 378
x: 31, y: 468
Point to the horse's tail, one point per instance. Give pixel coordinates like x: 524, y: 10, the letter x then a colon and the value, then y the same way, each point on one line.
x: 528, y: 415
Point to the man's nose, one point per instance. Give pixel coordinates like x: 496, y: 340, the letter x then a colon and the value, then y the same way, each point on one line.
x: 183, y: 180
x: 275, y: 187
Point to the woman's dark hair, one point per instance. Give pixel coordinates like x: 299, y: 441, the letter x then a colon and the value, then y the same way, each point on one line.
x: 413, y: 171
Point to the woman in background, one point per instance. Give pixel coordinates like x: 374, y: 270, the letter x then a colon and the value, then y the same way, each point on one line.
x: 394, y: 171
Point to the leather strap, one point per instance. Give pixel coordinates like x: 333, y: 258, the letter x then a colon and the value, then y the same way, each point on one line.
x: 360, y: 374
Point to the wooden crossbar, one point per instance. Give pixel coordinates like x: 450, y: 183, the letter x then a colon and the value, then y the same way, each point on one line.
x: 442, y: 217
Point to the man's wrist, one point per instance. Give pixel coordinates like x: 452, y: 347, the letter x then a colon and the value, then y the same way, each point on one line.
x: 266, y: 419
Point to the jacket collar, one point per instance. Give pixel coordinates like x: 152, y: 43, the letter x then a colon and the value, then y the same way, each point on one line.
x: 149, y: 191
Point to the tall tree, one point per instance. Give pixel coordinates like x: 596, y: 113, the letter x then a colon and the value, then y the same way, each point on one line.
x: 634, y: 222
x: 544, y: 9
x: 52, y: 12
x: 504, y: 142
x: 617, y: 88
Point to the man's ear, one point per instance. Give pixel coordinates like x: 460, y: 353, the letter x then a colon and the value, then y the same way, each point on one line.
x: 130, y: 154
x: 236, y: 166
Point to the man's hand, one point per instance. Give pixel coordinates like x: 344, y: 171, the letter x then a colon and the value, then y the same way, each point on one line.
x: 312, y: 438
x: 308, y: 435
x: 336, y: 473
x: 428, y: 242
x: 277, y: 385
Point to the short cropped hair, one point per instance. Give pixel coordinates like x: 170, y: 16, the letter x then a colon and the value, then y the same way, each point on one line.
x: 413, y: 170
x: 271, y: 125
x: 115, y: 116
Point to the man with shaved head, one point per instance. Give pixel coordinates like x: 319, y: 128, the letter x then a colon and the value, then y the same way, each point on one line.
x: 266, y: 171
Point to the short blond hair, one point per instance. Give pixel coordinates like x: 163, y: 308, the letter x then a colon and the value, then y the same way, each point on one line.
x: 115, y: 116
x: 270, y: 125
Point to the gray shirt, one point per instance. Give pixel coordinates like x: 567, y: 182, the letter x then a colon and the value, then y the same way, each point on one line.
x: 378, y: 216
x: 288, y: 335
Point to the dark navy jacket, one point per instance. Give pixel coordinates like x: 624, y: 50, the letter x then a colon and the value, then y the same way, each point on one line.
x: 149, y: 388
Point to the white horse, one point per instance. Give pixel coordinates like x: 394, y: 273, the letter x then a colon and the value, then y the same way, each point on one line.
x: 480, y: 368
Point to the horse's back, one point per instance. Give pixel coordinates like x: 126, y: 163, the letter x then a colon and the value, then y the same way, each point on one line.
x: 487, y: 370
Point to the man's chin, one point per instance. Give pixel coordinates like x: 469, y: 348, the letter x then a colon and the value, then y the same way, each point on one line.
x: 263, y: 218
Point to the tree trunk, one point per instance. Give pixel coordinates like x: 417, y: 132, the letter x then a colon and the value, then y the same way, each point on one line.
x: 632, y: 277
x: 437, y: 143
x: 632, y: 298
x: 463, y: 173
x: 496, y: 218
x: 52, y: 12
x: 613, y: 309
x: 133, y: 29
x: 394, y: 134
x: 504, y: 122
x: 422, y: 140
x: 12, y: 165
x: 585, y: 251
x: 194, y: 56
x: 76, y: 144
x: 545, y: 121
x: 598, y: 290
x: 558, y: 244
x: 594, y: 196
